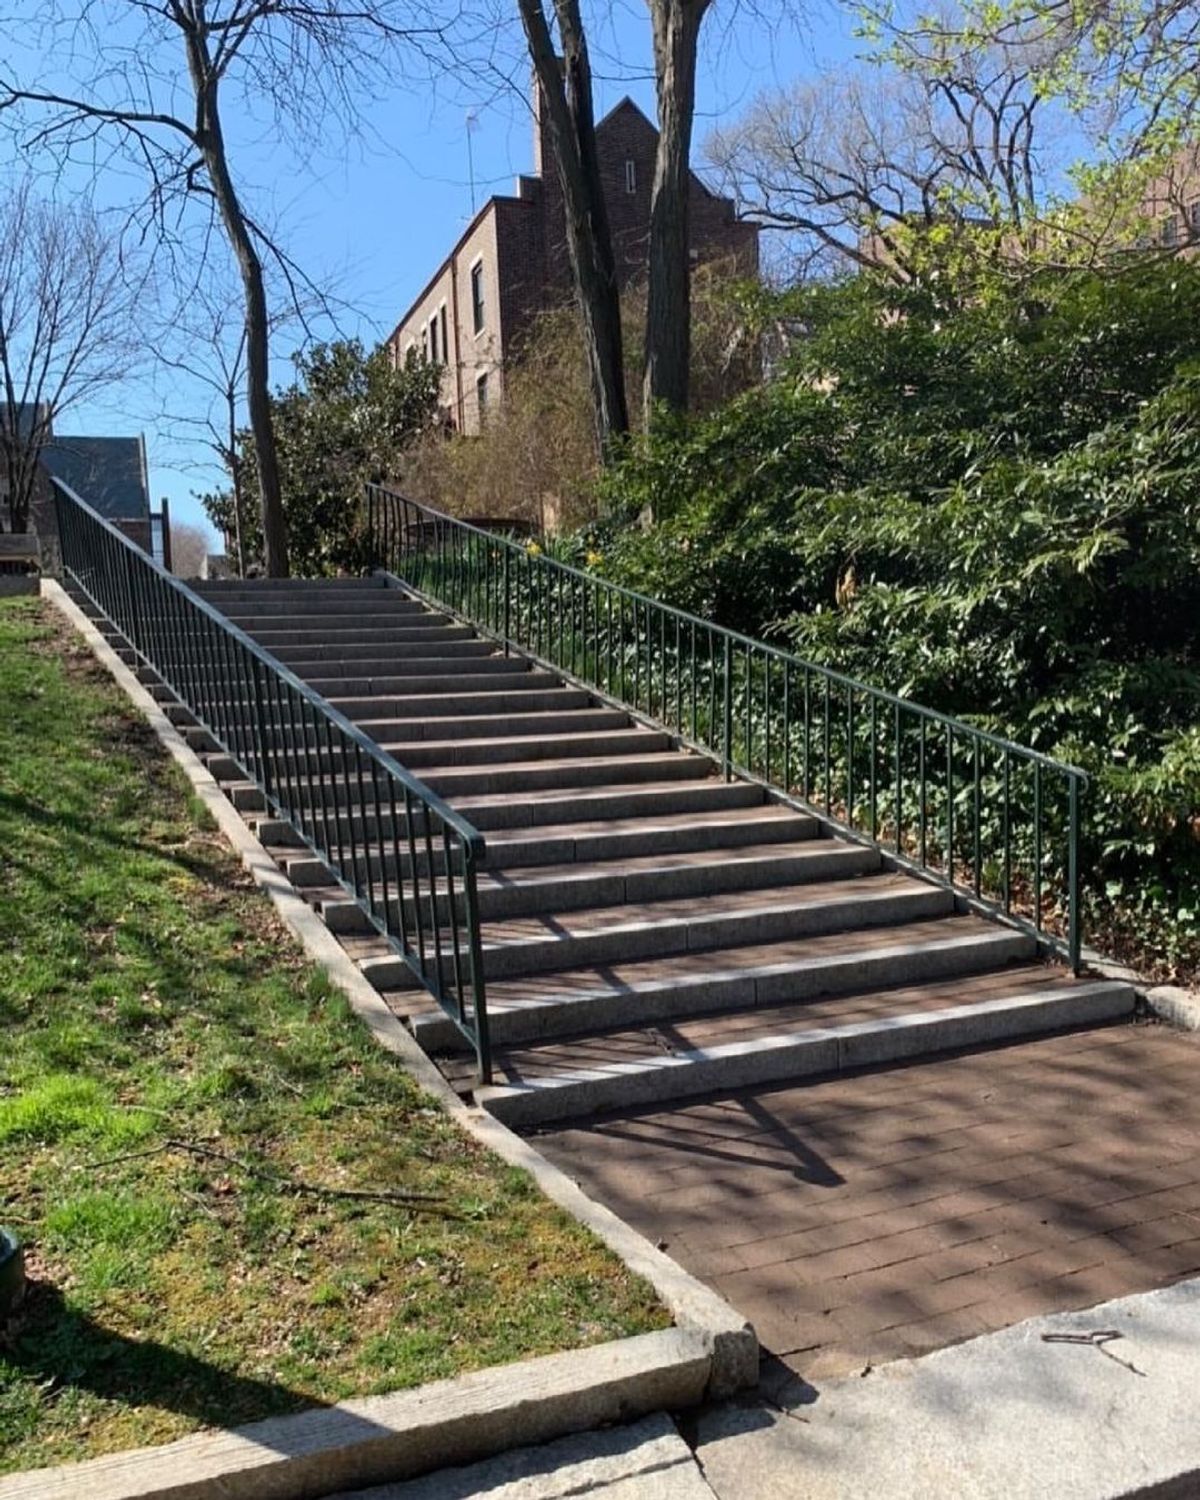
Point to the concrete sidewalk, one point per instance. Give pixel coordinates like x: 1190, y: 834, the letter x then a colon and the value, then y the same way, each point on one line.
x: 1005, y: 1417
x: 1010, y: 1416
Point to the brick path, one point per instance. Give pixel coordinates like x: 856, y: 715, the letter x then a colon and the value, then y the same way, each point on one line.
x: 878, y: 1216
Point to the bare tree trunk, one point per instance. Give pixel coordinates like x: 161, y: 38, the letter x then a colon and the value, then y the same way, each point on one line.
x: 567, y: 98
x: 211, y: 141
x: 676, y: 25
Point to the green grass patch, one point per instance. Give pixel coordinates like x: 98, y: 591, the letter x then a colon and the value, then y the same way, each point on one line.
x: 181, y: 1097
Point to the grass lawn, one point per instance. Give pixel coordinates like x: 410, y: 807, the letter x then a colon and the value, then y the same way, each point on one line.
x: 179, y: 1092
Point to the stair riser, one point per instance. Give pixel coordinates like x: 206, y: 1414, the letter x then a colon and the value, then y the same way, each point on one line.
x: 629, y: 769
x: 338, y: 794
x: 397, y: 734
x: 372, y: 627
x: 453, y: 783
x: 809, y: 1055
x: 692, y: 881
x: 633, y: 843
x: 690, y: 797
x: 496, y: 700
x: 499, y: 903
x: 459, y: 655
x: 909, y: 963
x: 377, y: 640
x: 569, y: 894
x: 435, y: 678
x: 368, y: 604
x: 200, y: 740
x: 411, y: 750
x: 489, y: 753
x: 224, y: 588
x: 734, y: 929
x: 314, y: 755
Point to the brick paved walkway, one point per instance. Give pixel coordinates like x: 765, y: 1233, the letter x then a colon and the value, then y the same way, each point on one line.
x: 878, y: 1216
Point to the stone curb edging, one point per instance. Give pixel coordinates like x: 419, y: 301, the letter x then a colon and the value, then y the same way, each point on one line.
x: 704, y: 1321
x: 1169, y: 1002
x: 377, y: 1439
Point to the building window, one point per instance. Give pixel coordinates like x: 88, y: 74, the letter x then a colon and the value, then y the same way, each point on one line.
x: 481, y: 395
x: 477, y: 309
x: 434, y: 346
x: 630, y: 175
x: 445, y: 338
x: 1194, y: 216
x: 1170, y: 230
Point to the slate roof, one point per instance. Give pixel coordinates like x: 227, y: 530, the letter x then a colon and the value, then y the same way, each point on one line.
x: 108, y: 472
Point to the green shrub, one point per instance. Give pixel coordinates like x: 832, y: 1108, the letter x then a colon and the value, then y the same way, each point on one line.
x: 990, y: 503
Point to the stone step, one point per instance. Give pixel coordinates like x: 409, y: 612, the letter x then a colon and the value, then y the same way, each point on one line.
x: 628, y: 765
x: 536, y: 691
x: 374, y: 604
x: 255, y: 588
x: 745, y: 980
x: 711, y: 833
x: 534, y: 713
x: 661, y: 929
x: 425, y: 674
x: 546, y: 889
x: 491, y: 753
x: 363, y: 657
x: 544, y: 809
x: 376, y: 625
x: 452, y: 781
x: 378, y: 639
x: 397, y: 735
x: 558, y: 1080
x: 521, y: 749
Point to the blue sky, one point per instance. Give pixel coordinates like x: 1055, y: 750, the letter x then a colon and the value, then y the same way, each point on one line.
x: 375, y: 216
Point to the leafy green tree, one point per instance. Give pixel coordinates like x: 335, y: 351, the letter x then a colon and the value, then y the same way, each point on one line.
x: 345, y: 421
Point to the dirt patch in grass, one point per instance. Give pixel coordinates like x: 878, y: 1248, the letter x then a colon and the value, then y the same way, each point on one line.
x: 235, y: 1204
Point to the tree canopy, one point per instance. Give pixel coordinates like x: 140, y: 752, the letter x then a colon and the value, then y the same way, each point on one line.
x: 343, y: 422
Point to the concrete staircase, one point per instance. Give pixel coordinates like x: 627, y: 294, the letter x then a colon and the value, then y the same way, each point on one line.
x: 650, y: 930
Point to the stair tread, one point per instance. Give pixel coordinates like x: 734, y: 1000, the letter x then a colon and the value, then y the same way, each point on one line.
x: 522, y: 876
x: 563, y: 701
x: 548, y: 796
x: 562, y: 1057
x: 715, y: 818
x: 677, y: 910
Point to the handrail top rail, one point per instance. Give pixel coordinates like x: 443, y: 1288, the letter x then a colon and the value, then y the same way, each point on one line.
x: 893, y: 700
x: 469, y: 834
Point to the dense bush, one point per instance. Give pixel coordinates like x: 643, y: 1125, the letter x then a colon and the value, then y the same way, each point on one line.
x: 992, y: 504
x: 536, y: 459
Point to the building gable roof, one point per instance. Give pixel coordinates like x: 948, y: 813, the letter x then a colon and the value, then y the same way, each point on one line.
x: 108, y: 472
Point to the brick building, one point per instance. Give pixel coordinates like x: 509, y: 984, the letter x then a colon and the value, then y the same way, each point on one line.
x: 511, y: 261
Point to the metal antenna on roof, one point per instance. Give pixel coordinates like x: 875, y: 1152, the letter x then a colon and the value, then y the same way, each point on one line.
x: 472, y: 121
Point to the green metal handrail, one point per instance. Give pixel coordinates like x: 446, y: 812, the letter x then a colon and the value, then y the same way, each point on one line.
x: 403, y: 855
x: 997, y: 822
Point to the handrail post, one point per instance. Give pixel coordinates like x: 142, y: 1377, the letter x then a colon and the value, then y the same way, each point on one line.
x: 483, y: 1042
x: 260, y: 724
x: 507, y: 604
x: 727, y: 732
x: 1073, y: 923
